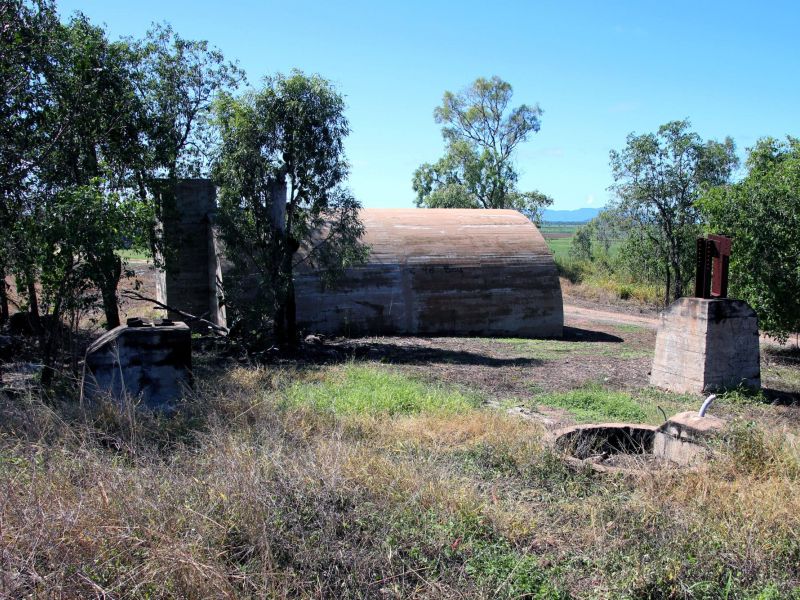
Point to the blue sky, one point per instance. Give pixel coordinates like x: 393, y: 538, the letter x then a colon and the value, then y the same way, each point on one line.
x: 599, y: 70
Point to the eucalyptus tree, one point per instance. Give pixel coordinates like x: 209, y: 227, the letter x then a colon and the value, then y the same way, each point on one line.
x: 658, y: 179
x: 280, y: 169
x: 25, y: 43
x: 177, y: 80
x: 93, y: 120
x: 481, y: 132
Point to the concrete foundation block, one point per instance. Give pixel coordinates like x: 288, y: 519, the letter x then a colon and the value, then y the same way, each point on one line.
x: 707, y: 345
x: 148, y: 363
x: 684, y: 437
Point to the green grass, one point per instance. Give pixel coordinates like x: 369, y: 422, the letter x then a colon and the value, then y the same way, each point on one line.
x: 365, y: 389
x: 466, y: 538
x: 545, y: 349
x: 555, y: 349
x: 242, y: 497
x: 593, y: 404
x: 626, y: 328
x: 560, y: 247
x: 133, y: 254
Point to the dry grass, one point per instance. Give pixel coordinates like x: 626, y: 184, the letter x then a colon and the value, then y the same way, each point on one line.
x: 244, y: 494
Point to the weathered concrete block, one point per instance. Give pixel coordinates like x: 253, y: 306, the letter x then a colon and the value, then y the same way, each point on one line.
x: 684, y: 437
x: 150, y: 362
x: 706, y: 345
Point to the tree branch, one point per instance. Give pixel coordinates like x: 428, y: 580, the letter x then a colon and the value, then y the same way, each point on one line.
x: 134, y: 295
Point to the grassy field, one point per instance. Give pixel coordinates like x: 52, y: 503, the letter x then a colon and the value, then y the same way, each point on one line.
x: 137, y: 255
x: 559, y: 237
x: 394, y: 476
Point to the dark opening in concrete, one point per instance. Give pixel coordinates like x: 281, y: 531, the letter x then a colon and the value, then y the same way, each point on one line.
x: 627, y: 447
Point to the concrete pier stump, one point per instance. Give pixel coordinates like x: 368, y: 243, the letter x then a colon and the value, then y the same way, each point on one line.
x: 148, y: 362
x: 706, y: 345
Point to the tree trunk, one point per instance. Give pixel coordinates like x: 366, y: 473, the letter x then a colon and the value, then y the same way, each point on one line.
x: 33, y: 304
x: 291, y: 315
x: 111, y: 307
x: 290, y: 306
x: 4, y: 312
x: 676, y: 268
x: 52, y: 338
x: 668, y: 286
x: 107, y: 281
x: 281, y: 285
x: 285, y: 322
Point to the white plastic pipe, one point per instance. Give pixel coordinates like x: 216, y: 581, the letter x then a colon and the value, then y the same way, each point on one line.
x: 706, y: 404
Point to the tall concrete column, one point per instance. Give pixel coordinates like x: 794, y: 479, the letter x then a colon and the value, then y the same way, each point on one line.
x: 194, y: 275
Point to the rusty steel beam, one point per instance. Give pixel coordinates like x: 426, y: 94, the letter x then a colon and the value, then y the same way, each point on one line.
x: 712, y: 264
x: 719, y: 269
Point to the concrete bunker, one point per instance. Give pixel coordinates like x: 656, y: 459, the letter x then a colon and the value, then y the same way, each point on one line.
x: 441, y: 272
x: 429, y: 272
x: 144, y: 360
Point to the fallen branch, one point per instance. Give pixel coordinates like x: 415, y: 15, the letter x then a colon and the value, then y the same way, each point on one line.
x: 134, y: 295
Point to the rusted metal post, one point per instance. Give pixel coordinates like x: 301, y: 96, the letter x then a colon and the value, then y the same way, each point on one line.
x: 702, y: 280
x: 719, y: 269
x: 711, y: 278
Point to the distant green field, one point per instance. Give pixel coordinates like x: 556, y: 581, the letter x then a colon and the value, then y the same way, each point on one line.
x: 554, y: 227
x: 559, y: 236
x: 559, y: 247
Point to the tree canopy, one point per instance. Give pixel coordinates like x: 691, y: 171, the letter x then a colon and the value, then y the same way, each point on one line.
x: 658, y: 179
x: 289, y: 134
x: 481, y: 132
x: 88, y: 126
x: 762, y: 213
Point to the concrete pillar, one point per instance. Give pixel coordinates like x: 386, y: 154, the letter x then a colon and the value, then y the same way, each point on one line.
x: 706, y: 345
x: 194, y: 275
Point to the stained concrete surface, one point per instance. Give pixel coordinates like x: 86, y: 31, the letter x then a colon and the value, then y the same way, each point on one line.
x: 148, y: 364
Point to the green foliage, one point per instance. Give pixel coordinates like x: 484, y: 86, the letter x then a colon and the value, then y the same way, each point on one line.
x: 581, y: 244
x: 86, y: 127
x: 178, y: 80
x: 467, y: 539
x: 573, y: 270
x: 762, y: 213
x: 291, y: 132
x: 658, y: 178
x: 481, y: 133
x: 357, y: 389
x: 86, y: 225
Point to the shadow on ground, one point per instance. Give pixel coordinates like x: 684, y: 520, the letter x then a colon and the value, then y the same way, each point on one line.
x: 576, y: 334
x: 402, y: 351
x: 780, y: 397
x: 407, y: 354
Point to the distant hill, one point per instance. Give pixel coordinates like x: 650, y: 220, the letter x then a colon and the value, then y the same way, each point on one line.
x: 579, y: 215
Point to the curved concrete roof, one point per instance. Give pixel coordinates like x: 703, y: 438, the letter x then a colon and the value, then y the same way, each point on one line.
x: 452, y: 235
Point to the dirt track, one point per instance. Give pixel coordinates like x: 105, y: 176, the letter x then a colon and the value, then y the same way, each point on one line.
x: 582, y: 314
